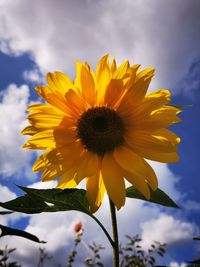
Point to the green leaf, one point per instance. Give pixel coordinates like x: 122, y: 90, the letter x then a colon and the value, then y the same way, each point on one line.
x: 72, y: 199
x: 11, y: 231
x: 52, y: 200
x: 49, y: 200
x: 25, y: 204
x: 158, y: 197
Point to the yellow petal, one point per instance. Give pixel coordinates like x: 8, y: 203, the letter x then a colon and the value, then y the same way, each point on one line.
x: 114, y: 91
x: 74, y: 103
x: 167, y: 135
x: 131, y: 72
x: 158, y: 156
x: 121, y: 71
x: 159, y: 146
x: 46, y: 108
x: 160, y: 118
x: 67, y: 180
x: 103, y: 76
x: 113, y: 67
x: 43, y: 120
x: 51, y: 173
x: 52, y: 82
x: 29, y: 130
x: 140, y: 184
x: 113, y: 179
x: 64, y: 82
x: 160, y: 141
x: 64, y: 136
x: 63, y: 158
x: 66, y: 184
x: 51, y: 170
x: 68, y: 155
x: 59, y: 82
x: 135, y: 67
x: 136, y: 165
x: 77, y: 81
x: 49, y: 159
x: 54, y: 98
x: 143, y: 80
x: 40, y: 163
x: 88, y: 86
x: 52, y: 138
x: 95, y: 191
x: 43, y: 139
x: 136, y: 93
x: 152, y: 102
x: 87, y: 166
x: 31, y: 146
x: 162, y: 157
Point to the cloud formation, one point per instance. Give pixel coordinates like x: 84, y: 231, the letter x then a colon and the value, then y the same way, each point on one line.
x: 6, y: 195
x: 191, y: 81
x: 167, y: 229
x: 164, y: 34
x: 33, y: 76
x: 176, y: 264
x: 13, y: 159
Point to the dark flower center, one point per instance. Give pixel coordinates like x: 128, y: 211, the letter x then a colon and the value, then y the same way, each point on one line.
x: 100, y: 130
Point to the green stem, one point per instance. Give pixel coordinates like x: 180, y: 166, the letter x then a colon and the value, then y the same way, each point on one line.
x: 115, y: 235
x: 104, y: 230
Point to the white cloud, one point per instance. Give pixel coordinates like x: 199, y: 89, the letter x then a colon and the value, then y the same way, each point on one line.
x: 191, y: 81
x: 14, y: 159
x: 167, y: 229
x: 176, y: 264
x: 192, y: 205
x: 164, y: 34
x: 43, y: 185
x: 6, y: 195
x: 33, y: 76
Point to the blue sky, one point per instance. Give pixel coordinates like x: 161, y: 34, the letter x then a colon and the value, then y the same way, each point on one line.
x: 52, y: 38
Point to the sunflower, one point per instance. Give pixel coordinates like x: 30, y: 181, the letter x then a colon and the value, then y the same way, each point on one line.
x: 102, y: 127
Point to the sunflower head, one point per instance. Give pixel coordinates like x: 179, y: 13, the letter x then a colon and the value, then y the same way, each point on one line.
x: 102, y: 127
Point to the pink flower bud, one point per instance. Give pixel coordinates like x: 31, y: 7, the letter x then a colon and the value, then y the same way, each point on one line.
x: 78, y: 228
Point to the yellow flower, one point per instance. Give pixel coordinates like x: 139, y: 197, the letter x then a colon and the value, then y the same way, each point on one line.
x: 101, y: 127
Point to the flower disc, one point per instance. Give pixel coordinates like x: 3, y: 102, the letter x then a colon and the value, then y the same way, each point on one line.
x: 101, y: 130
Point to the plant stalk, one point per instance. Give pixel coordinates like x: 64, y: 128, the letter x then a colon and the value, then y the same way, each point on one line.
x: 115, y: 235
